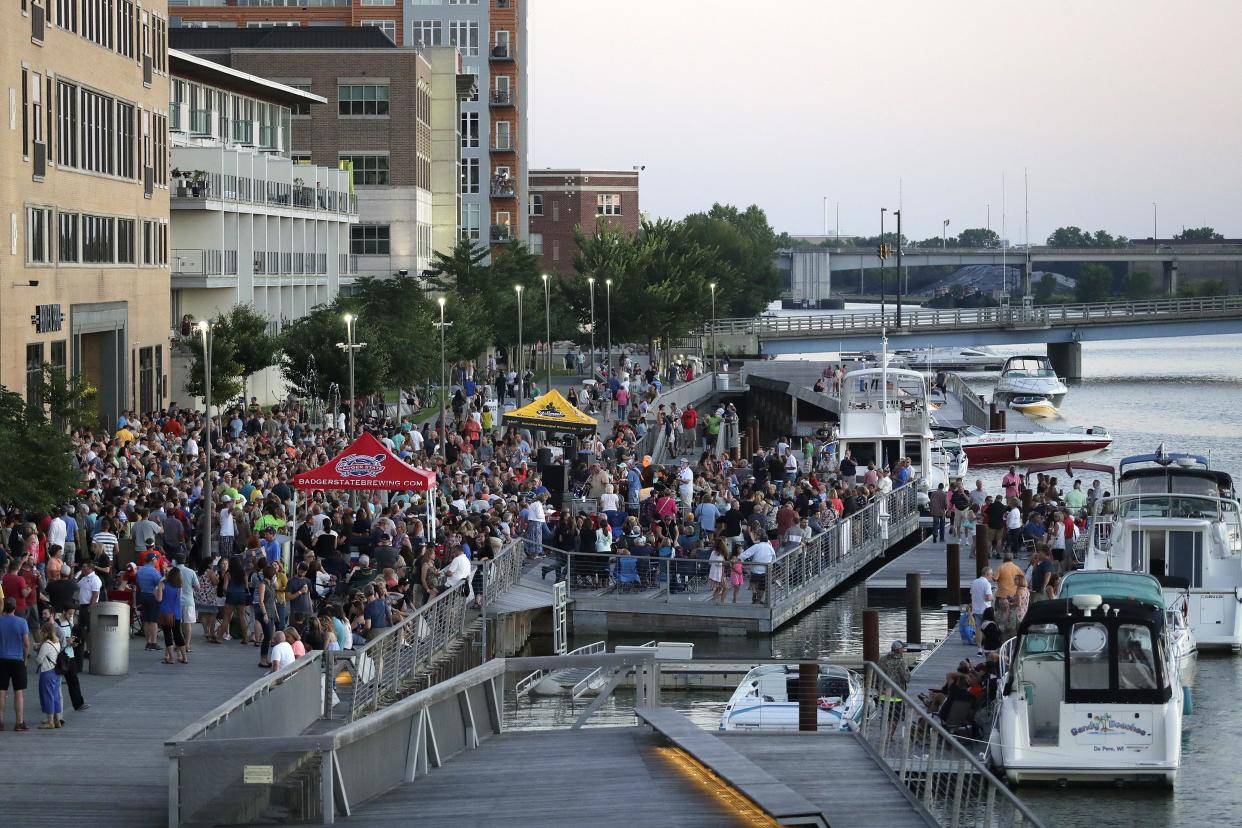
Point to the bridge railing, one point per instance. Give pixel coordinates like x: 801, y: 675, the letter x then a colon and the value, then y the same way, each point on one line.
x: 948, y: 779
x: 973, y: 412
x: 931, y: 319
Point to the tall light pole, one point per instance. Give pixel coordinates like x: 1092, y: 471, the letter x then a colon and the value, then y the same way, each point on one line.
x: 898, y: 214
x: 547, y: 310
x: 883, y: 210
x: 591, y: 287
x: 204, y: 328
x: 443, y: 385
x: 712, y: 285
x: 608, y: 311
x: 349, y: 348
x: 1155, y: 235
x: 944, y: 235
x: 521, y: 359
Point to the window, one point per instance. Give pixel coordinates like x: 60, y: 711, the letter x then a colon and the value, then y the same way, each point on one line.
x: 1089, y: 657
x: 160, y: 162
x: 36, y: 107
x: 125, y: 241
x: 502, y: 93
x: 470, y: 171
x: 536, y: 204
x: 368, y: 239
x: 299, y: 157
x: 34, y: 378
x: 97, y: 22
x: 536, y: 243
x: 501, y: 49
x: 556, y: 250
x: 126, y: 157
x: 379, y: 2
x: 369, y: 170
x: 1136, y: 659
x: 608, y: 204
x: 125, y: 28
x: 67, y: 246
x: 96, y: 132
x: 470, y: 217
x: 301, y: 109
x: 38, y: 235
x: 426, y: 33
x: 98, y: 241
x: 67, y: 15
x: 469, y: 130
x: 66, y: 124
x: 150, y: 243
x: 504, y: 139
x: 464, y: 34
x: 362, y: 99
x: 58, y: 355
x: 388, y: 27
x: 25, y: 114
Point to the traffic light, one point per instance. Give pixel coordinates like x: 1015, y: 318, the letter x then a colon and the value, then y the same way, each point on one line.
x: 884, y: 251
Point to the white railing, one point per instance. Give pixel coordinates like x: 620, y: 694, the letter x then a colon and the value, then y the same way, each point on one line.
x: 945, y: 777
x: 502, y: 572
x: 1046, y: 316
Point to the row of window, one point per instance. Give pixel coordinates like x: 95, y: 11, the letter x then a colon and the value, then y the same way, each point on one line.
x: 374, y: 240
x: 93, y: 131
x: 64, y: 237
x: 122, y: 26
x: 464, y: 34
x: 606, y: 204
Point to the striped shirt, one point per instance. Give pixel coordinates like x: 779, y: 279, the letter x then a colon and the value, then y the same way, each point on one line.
x: 106, y: 541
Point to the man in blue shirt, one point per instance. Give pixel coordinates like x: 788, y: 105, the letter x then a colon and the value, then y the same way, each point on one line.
x: 707, y: 513
x: 148, y: 579
x: 271, y: 546
x: 634, y: 484
x: 14, y: 650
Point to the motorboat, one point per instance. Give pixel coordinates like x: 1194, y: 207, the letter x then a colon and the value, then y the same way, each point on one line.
x: 1029, y: 376
x: 1144, y: 588
x: 1037, y: 408
x: 884, y: 417
x: 767, y: 699
x: 1176, y: 518
x: 1090, y: 692
x: 1003, y: 448
x: 951, y: 359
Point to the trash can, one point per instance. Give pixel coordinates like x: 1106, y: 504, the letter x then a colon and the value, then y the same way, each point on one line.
x: 109, y: 639
x: 722, y: 382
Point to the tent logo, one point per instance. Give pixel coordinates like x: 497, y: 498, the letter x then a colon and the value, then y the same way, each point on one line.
x: 360, y: 465
x: 551, y: 411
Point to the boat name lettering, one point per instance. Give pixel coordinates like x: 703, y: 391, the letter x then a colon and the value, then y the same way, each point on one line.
x: 1103, y: 724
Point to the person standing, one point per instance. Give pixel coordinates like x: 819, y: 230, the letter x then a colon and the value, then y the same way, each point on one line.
x: 70, y: 645
x: 760, y: 554
x: 14, y: 650
x: 938, y: 505
x: 893, y: 664
x: 227, y: 529
x: 168, y: 596
x: 49, y: 679
x: 1011, y: 482
x: 148, y: 581
x: 189, y: 598
x: 981, y: 593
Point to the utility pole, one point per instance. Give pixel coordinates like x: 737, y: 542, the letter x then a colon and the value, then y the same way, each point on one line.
x: 204, y: 327
x: 521, y: 359
x: 591, y: 284
x: 547, y: 307
x: 608, y: 310
x: 443, y: 385
x: 1155, y: 234
x: 883, y: 256
x: 350, y: 347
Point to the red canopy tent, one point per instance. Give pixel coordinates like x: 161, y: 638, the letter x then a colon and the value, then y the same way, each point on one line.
x: 366, y: 463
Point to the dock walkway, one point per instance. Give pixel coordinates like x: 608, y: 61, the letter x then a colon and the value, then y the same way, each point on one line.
x: 928, y: 559
x: 107, y: 767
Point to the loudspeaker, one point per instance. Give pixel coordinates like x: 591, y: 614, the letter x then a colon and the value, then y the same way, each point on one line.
x: 556, y: 480
x: 544, y: 457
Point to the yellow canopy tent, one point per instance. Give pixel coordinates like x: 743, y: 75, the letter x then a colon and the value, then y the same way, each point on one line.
x: 551, y: 412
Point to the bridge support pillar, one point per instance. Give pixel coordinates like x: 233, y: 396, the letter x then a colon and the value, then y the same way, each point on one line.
x: 1026, y: 278
x: 1066, y: 359
x: 1169, y: 283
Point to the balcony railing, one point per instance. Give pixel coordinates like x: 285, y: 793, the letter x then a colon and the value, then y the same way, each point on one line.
x: 502, y: 144
x: 501, y: 51
x: 502, y: 188
x: 204, y: 262
x: 502, y: 233
x: 224, y: 187
x: 501, y: 97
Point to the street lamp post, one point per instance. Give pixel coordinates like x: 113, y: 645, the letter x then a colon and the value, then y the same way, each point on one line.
x: 443, y: 385
x: 349, y: 348
x: 608, y: 312
x: 1155, y: 235
x: 944, y: 235
x: 898, y: 214
x: 883, y: 210
x: 521, y: 372
x: 204, y: 327
x: 547, y: 310
x: 591, y: 287
x: 712, y: 285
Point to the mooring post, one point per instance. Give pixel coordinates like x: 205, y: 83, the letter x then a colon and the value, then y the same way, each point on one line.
x: 982, y: 548
x: 871, y: 635
x: 953, y: 574
x: 808, y: 681
x: 914, y: 608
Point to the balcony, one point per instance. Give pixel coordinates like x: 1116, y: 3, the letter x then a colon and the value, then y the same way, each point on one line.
x: 203, y: 262
x: 501, y: 51
x: 503, y: 188
x: 502, y: 144
x: 189, y: 187
x: 502, y: 97
x: 502, y: 233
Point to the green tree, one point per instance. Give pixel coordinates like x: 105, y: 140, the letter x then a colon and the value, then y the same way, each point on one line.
x: 1045, y: 288
x: 226, y: 371
x: 1198, y: 234
x: 464, y: 268
x: 71, y: 401
x: 254, y: 349
x: 976, y: 237
x: 1139, y: 285
x: 745, y: 246
x: 395, y: 316
x: 1095, y: 283
x: 38, y: 471
x: 1076, y: 237
x: 313, y: 340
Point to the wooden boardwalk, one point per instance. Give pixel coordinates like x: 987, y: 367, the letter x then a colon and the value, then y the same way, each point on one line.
x: 106, y: 767
x: 929, y: 560
x: 602, y: 777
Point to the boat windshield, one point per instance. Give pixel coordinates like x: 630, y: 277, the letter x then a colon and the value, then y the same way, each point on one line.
x: 1186, y: 507
x: 1133, y: 586
x: 1028, y: 367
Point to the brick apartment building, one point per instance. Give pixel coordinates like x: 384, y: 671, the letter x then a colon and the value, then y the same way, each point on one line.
x: 385, y: 15
x: 561, y: 200
x: 379, y: 117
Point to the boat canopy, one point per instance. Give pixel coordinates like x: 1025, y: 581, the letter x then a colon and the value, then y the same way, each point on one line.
x: 1114, y: 584
x: 1162, y: 458
x: 1071, y: 469
x: 1184, y: 481
x: 1028, y: 365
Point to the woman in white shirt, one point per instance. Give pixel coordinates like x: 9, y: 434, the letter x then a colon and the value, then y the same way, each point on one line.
x: 608, y: 501
x: 715, y: 575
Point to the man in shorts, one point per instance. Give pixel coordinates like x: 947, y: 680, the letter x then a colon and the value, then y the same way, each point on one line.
x: 760, y: 555
x: 14, y: 650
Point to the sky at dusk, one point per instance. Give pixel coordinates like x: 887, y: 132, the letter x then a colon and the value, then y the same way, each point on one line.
x: 1109, y: 105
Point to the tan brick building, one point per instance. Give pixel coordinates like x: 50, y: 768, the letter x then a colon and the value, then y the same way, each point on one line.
x: 84, y: 281
x: 561, y: 200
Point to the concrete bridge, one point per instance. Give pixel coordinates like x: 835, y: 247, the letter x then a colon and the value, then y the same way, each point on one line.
x: 1061, y: 327
x: 844, y: 259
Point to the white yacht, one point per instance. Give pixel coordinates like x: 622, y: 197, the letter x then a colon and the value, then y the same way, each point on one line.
x: 1144, y: 588
x: 952, y: 359
x: 767, y: 699
x: 1029, y: 376
x: 884, y: 417
x: 1090, y: 692
x: 1177, y: 519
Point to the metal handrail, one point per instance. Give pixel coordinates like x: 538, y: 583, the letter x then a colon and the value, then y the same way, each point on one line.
x: 948, y: 780
x: 503, y: 571
x: 937, y: 319
x: 973, y: 412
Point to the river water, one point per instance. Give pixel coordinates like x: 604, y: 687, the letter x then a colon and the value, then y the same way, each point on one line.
x: 1184, y: 392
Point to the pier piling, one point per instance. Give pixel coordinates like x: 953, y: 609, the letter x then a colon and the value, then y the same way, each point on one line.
x: 953, y: 574
x: 914, y: 608
x: 982, y: 548
x: 871, y: 635
x: 808, y: 680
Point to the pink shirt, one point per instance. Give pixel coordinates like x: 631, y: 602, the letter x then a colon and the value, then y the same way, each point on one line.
x: 299, y: 649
